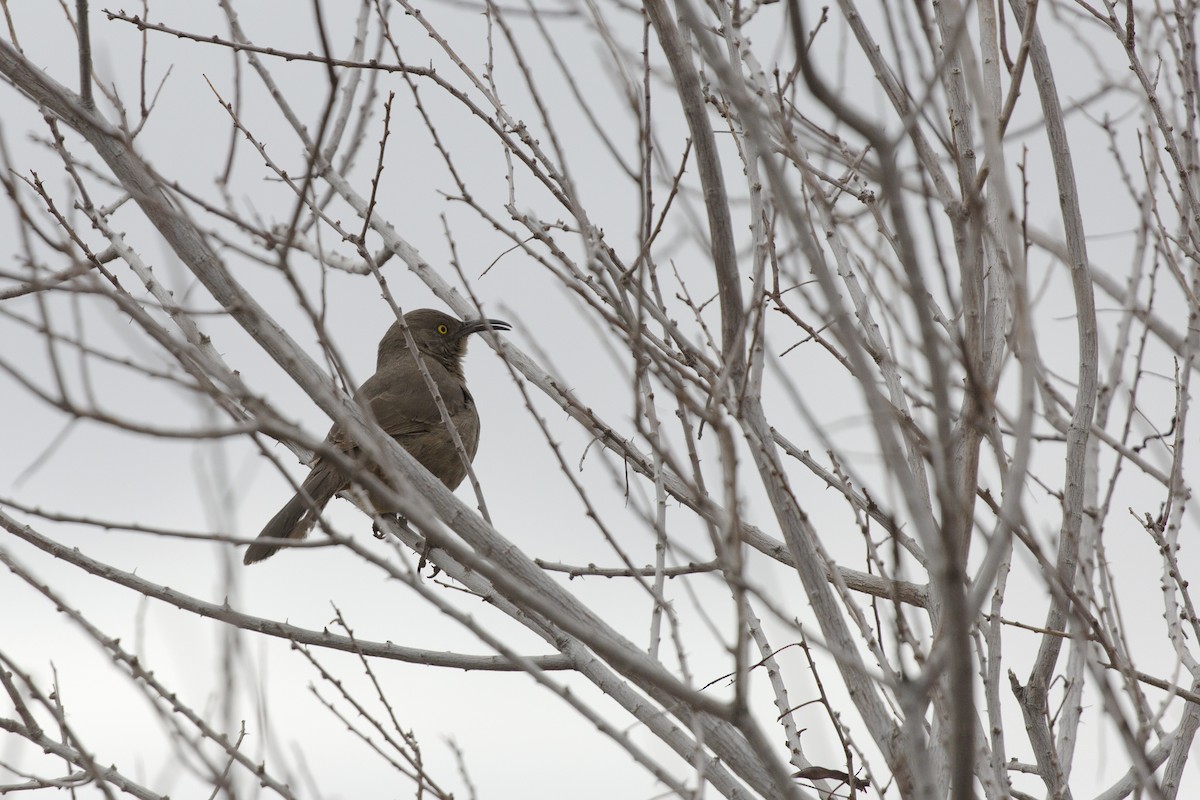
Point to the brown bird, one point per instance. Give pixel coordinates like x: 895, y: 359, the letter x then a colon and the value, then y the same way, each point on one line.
x: 400, y: 401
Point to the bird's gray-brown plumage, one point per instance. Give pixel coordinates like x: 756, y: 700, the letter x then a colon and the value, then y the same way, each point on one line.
x: 400, y: 401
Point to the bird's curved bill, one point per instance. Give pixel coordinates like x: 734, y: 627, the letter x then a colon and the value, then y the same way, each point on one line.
x: 478, y: 325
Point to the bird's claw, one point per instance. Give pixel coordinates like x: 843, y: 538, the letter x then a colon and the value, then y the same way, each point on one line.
x: 426, y: 549
x: 401, y: 520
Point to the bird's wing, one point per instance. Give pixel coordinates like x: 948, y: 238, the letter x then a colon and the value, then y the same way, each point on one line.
x: 401, y: 402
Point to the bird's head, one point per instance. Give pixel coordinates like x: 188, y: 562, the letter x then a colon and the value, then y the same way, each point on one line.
x: 438, y: 335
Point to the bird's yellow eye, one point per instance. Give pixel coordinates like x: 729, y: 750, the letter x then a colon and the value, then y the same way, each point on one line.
x: 443, y: 330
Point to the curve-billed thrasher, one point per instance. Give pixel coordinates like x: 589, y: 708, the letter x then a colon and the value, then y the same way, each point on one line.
x: 400, y: 401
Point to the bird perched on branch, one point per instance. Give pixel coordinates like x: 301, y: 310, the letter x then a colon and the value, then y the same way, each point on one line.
x: 400, y: 401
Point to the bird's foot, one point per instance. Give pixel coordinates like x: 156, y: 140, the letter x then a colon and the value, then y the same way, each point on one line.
x: 426, y: 549
x: 378, y: 532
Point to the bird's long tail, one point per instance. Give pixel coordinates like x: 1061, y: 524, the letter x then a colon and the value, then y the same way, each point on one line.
x: 298, y: 516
